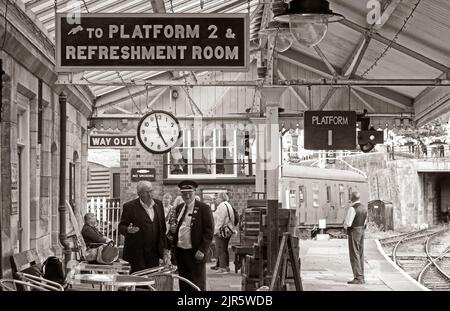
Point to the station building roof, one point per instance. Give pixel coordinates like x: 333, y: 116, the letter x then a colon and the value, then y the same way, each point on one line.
x: 411, y: 42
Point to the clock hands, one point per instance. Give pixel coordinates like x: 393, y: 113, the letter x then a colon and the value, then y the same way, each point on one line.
x: 159, y: 131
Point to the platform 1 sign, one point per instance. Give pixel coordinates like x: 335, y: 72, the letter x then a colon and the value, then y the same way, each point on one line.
x: 138, y: 174
x: 330, y: 130
x: 140, y: 41
x: 112, y: 141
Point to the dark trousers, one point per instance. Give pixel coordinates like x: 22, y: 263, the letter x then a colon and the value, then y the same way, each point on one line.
x: 223, y: 257
x: 148, y: 258
x: 191, y: 269
x: 356, y: 251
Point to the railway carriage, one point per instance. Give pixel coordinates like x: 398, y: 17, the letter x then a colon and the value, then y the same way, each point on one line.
x: 319, y: 193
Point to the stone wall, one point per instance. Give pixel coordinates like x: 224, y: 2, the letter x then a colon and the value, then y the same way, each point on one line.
x: 38, y: 202
x: 398, y: 182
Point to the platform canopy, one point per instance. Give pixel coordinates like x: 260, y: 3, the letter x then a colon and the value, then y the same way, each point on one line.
x: 410, y: 41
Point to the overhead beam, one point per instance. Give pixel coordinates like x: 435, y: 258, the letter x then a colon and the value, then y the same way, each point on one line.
x: 358, y: 53
x: 158, y: 6
x: 327, y: 98
x: 312, y: 64
x: 355, y: 59
x: 157, y: 97
x: 433, y: 104
x: 362, y: 100
x: 376, y: 36
x: 325, y: 61
x: 297, y: 94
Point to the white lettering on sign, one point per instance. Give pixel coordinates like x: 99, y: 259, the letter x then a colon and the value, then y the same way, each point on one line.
x: 329, y: 120
x: 113, y: 141
x: 330, y: 138
x: 146, y: 52
x: 154, y: 31
x: 101, y: 141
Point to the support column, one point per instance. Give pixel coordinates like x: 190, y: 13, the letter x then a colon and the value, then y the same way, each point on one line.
x: 260, y: 154
x: 62, y: 179
x: 271, y: 98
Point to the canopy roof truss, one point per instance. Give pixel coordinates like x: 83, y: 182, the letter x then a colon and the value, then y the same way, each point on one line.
x: 407, y: 45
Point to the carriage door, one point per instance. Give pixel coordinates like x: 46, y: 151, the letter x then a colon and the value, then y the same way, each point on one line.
x: 301, y: 209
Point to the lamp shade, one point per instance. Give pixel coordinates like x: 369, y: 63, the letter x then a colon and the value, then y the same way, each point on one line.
x: 282, y: 33
x: 308, y: 19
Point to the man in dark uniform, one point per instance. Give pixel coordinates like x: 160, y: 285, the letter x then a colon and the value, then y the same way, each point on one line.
x: 356, y: 239
x: 144, y: 227
x: 194, y: 231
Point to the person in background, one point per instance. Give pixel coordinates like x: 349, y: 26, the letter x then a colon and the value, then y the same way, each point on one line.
x: 194, y: 230
x: 223, y: 215
x: 90, y: 233
x: 144, y: 226
x: 167, y: 200
x: 355, y: 233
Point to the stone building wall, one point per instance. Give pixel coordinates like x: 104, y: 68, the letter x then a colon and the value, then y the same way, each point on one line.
x: 412, y: 194
x: 29, y: 63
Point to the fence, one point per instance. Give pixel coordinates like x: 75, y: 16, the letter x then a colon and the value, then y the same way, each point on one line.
x: 107, y: 212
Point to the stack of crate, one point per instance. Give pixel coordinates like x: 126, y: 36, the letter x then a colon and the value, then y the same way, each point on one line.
x: 254, y: 273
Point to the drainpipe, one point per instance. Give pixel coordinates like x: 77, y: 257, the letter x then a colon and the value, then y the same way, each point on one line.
x: 1, y: 208
x: 62, y: 179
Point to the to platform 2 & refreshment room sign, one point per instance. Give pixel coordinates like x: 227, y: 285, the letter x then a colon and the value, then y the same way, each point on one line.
x: 110, y: 141
x: 128, y: 41
x: 330, y: 130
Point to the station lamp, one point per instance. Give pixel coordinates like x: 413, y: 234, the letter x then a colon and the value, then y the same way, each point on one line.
x: 282, y: 34
x: 308, y: 19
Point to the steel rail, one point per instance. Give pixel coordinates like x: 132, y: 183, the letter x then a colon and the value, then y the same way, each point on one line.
x: 64, y: 80
x: 433, y: 261
x: 394, y: 239
x: 411, y: 238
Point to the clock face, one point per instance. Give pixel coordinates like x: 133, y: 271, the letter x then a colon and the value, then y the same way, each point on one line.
x: 158, y: 131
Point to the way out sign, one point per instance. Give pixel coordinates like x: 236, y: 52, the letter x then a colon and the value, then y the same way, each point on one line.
x: 330, y: 130
x: 137, y: 41
x: 109, y: 141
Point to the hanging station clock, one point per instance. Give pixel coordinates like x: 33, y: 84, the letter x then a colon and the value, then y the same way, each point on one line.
x: 158, y: 131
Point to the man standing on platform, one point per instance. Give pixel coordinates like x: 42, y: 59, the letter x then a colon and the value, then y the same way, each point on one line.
x: 355, y: 221
x: 194, y: 231
x: 144, y: 226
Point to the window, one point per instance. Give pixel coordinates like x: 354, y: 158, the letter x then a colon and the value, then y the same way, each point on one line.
x: 209, y: 153
x: 301, y: 194
x: 292, y: 199
x: 328, y: 194
x: 341, y: 195
x: 350, y: 193
x: 315, y: 188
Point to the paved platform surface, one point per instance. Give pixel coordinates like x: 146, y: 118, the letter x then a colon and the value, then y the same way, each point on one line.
x: 326, y: 266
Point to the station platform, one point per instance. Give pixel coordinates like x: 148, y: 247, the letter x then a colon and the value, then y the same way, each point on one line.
x: 326, y: 267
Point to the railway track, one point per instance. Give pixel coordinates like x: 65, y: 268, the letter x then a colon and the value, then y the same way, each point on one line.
x: 431, y: 269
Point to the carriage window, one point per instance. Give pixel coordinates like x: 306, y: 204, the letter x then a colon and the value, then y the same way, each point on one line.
x: 349, y: 193
x: 292, y: 199
x: 341, y: 195
x: 328, y: 194
x: 301, y: 194
x: 315, y: 195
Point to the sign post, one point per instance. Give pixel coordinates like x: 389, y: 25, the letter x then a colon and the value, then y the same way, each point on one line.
x: 330, y: 130
x: 139, y: 41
